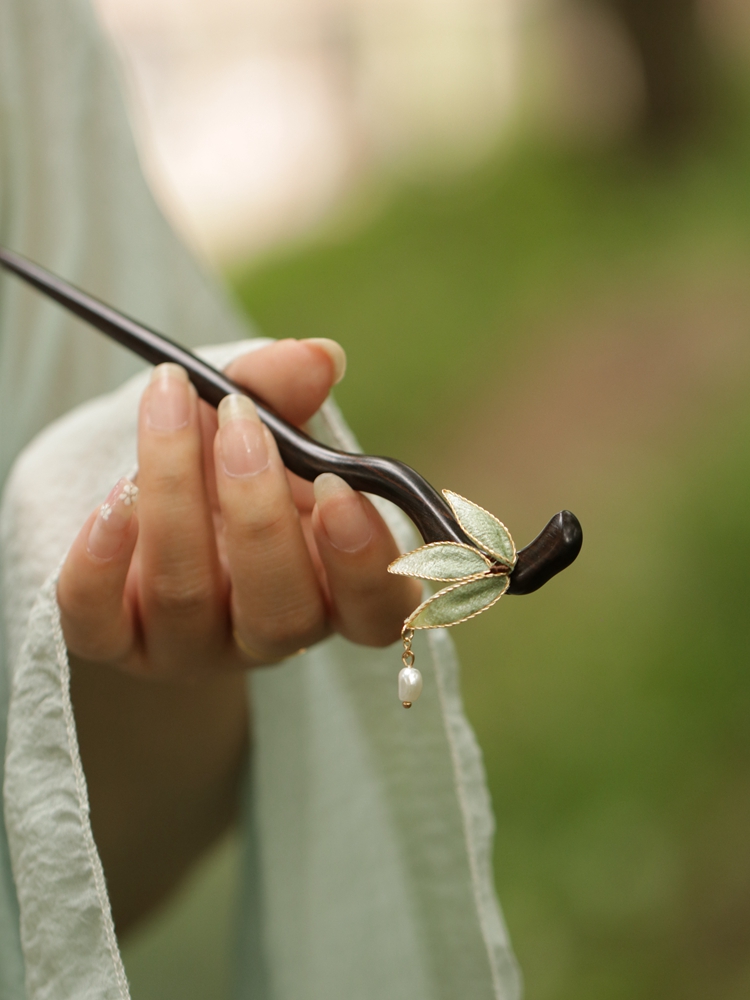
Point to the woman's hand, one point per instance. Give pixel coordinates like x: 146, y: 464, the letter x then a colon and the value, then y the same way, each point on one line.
x: 225, y: 561
x: 230, y: 560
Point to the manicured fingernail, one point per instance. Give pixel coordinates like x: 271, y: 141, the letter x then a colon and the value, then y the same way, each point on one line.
x: 343, y: 513
x: 335, y: 352
x: 108, y: 530
x: 168, y: 400
x: 244, y: 451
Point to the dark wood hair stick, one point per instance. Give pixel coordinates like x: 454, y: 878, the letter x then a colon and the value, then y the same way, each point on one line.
x: 551, y: 551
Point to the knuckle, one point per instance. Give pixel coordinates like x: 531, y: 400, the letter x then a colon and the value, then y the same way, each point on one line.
x: 287, y: 629
x: 269, y: 525
x: 170, y: 467
x: 173, y: 479
x: 97, y: 636
x: 79, y: 605
x: 103, y: 648
x: 70, y: 598
x: 180, y: 596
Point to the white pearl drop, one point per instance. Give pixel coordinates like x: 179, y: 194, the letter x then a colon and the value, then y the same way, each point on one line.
x: 409, y: 685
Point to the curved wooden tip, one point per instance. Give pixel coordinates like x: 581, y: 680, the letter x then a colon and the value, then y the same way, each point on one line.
x: 552, y: 551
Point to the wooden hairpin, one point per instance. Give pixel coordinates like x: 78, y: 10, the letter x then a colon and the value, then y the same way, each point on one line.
x: 465, y: 547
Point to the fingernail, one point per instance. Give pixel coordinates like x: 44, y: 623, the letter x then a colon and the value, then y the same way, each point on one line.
x: 342, y: 512
x: 244, y: 451
x: 108, y: 530
x: 168, y: 400
x: 335, y: 352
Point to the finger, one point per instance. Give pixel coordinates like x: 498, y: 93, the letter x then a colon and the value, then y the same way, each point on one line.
x: 276, y: 599
x: 355, y: 547
x: 209, y: 426
x: 292, y: 376
x: 90, y: 591
x: 179, y: 581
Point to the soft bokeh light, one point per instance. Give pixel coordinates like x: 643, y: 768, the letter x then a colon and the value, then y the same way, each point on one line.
x: 257, y: 118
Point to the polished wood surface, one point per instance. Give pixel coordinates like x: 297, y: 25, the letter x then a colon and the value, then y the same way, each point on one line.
x: 552, y: 550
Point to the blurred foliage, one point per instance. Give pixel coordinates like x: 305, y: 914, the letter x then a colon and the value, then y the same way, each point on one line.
x: 446, y: 270
x: 670, y: 43
x: 612, y: 706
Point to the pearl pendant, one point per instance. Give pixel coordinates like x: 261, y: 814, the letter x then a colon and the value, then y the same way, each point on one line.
x: 409, y: 686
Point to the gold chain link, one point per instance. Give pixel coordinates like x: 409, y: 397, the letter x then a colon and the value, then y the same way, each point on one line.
x: 407, y: 657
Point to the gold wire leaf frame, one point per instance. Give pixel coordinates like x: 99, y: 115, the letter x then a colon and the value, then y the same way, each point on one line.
x: 458, y: 596
x: 478, y: 578
x: 417, y: 563
x: 472, y: 517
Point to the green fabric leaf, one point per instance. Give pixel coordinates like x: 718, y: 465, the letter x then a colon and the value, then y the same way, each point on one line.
x: 441, y: 561
x: 461, y: 601
x: 483, y: 528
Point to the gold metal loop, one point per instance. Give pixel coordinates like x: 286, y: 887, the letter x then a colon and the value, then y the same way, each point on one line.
x: 407, y: 657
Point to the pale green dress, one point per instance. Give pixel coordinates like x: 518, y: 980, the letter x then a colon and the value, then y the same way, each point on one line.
x: 365, y: 867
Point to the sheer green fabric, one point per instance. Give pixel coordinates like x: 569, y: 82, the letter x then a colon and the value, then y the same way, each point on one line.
x: 72, y: 196
x: 367, y: 830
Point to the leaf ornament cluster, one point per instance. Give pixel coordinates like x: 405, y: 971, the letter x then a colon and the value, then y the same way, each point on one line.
x: 478, y: 576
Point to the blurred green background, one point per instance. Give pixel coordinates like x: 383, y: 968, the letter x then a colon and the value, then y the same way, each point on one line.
x: 569, y: 328
x: 567, y: 325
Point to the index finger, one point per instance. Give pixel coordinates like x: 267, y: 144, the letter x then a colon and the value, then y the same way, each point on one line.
x: 292, y: 376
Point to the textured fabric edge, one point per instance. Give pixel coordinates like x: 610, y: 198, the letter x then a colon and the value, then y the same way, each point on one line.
x: 97, y: 871
x: 44, y: 629
x: 44, y: 641
x: 478, y: 820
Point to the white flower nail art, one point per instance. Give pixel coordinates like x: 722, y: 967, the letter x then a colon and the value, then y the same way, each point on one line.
x: 129, y: 494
